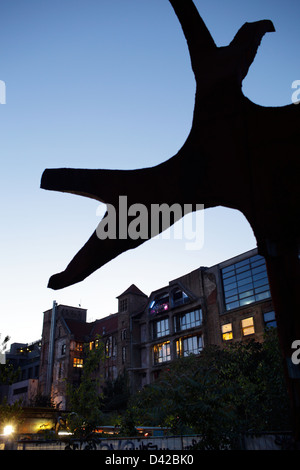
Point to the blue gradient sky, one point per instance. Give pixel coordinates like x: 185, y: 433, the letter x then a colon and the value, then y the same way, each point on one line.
x: 108, y: 84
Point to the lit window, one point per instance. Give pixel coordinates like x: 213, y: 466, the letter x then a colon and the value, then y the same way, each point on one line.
x: 248, y: 326
x: 162, y: 352
x: 189, y: 345
x: 77, y: 362
x: 160, y: 304
x: 111, y: 347
x: 79, y: 347
x: 227, y: 332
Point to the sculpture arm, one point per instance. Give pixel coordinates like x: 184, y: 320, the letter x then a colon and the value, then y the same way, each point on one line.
x: 199, y: 39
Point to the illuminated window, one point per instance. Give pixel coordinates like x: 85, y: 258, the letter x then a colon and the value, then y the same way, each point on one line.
x: 162, y: 352
x: 111, y: 347
x: 248, y: 326
x: 79, y: 347
x: 77, y: 362
x: 245, y: 282
x: 189, y: 345
x: 160, y: 328
x: 160, y: 304
x: 227, y: 332
x: 188, y: 320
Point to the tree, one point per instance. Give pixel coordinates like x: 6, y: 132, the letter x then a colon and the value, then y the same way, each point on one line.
x: 85, y: 397
x: 8, y: 374
x: 115, y: 394
x: 220, y: 394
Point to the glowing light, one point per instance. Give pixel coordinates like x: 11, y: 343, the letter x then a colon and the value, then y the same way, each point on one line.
x: 8, y: 430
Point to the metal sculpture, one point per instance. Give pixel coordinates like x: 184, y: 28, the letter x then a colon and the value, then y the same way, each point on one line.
x: 238, y: 155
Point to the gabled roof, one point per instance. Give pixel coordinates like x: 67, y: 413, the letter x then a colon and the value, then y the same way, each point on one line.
x: 79, y: 329
x: 132, y: 290
x: 84, y: 332
x: 105, y: 326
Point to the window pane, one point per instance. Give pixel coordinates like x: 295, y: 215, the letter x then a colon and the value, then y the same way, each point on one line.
x: 245, y: 262
x: 245, y: 281
x: 229, y: 280
x: 243, y: 275
x: 245, y: 287
x: 259, y: 269
x: 262, y: 296
x: 231, y: 293
x: 248, y: 326
x: 269, y: 316
x: 260, y: 276
x: 228, y: 269
x: 247, y: 301
x: 230, y: 286
x: 232, y: 305
x: 248, y: 293
x: 260, y: 282
x: 232, y: 299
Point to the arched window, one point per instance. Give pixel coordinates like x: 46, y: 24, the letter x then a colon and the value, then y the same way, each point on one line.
x: 111, y: 347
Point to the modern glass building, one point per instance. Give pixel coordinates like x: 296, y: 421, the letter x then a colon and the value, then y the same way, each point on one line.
x: 245, y: 282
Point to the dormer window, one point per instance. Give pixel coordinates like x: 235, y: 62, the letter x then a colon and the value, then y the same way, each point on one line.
x: 159, y: 305
x: 179, y: 297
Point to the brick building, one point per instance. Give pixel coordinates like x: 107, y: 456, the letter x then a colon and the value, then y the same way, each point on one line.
x: 226, y: 302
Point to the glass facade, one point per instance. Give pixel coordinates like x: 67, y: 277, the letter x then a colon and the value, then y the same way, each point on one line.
x: 245, y: 282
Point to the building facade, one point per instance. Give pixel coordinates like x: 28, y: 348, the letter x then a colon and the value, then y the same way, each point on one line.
x: 227, y: 302
x: 25, y: 358
x: 230, y: 301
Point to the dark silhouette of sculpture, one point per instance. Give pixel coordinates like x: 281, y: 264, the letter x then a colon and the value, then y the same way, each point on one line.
x: 238, y: 154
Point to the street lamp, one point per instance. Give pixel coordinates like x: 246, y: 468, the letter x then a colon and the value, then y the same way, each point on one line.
x: 8, y: 432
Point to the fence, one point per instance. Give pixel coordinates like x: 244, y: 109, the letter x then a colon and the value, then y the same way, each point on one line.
x: 276, y: 441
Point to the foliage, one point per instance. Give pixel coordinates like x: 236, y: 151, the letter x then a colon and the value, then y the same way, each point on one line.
x: 220, y: 394
x: 44, y: 401
x: 10, y: 414
x: 3, y: 344
x: 84, y: 398
x: 127, y: 424
x: 115, y: 394
x: 8, y: 374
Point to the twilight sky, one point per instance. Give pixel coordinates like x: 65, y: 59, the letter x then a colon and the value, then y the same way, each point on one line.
x: 108, y: 84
